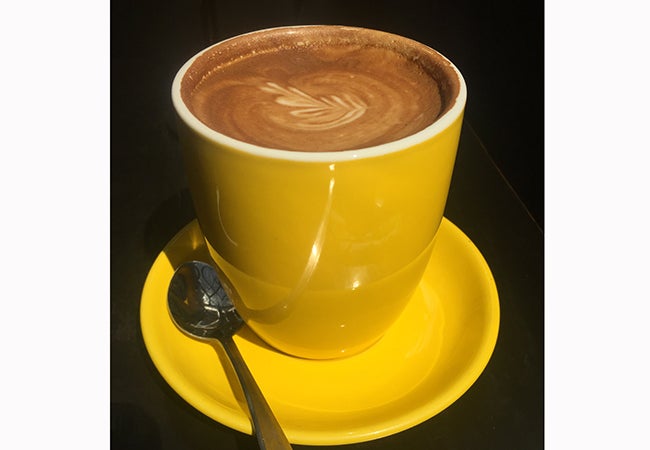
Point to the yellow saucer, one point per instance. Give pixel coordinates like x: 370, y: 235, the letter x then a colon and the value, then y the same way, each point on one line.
x: 433, y: 353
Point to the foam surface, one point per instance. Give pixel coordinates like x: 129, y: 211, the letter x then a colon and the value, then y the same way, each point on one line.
x: 313, y: 92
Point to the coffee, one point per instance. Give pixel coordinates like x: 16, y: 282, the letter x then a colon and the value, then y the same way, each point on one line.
x: 326, y: 244
x: 322, y: 88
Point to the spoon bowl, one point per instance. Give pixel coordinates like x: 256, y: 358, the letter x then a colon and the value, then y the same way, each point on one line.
x: 200, y: 306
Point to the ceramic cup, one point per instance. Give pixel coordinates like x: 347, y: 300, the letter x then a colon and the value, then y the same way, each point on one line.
x: 324, y: 248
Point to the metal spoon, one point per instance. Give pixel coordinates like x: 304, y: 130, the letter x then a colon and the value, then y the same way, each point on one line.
x: 200, y: 307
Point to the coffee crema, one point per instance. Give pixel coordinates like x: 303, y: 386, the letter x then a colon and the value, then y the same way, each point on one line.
x: 319, y: 88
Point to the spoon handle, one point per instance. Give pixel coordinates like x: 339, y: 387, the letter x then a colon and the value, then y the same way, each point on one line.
x: 269, y: 433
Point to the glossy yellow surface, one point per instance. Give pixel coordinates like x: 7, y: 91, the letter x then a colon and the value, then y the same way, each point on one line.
x: 314, y: 247
x: 429, y: 357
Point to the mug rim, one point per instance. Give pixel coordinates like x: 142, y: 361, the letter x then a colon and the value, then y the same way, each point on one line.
x: 440, y: 124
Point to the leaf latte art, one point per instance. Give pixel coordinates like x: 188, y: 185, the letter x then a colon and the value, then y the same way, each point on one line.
x: 320, y: 113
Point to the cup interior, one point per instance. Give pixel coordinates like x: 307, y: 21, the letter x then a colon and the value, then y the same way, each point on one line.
x: 450, y: 81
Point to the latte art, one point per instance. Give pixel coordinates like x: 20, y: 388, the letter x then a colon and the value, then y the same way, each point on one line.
x: 309, y: 92
x: 320, y: 113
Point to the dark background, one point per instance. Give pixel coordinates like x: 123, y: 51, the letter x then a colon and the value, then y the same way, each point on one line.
x: 497, y: 44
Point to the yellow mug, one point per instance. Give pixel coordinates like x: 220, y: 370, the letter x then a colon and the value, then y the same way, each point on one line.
x: 324, y: 248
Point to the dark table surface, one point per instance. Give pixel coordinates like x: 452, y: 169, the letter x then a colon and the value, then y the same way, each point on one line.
x: 504, y: 409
